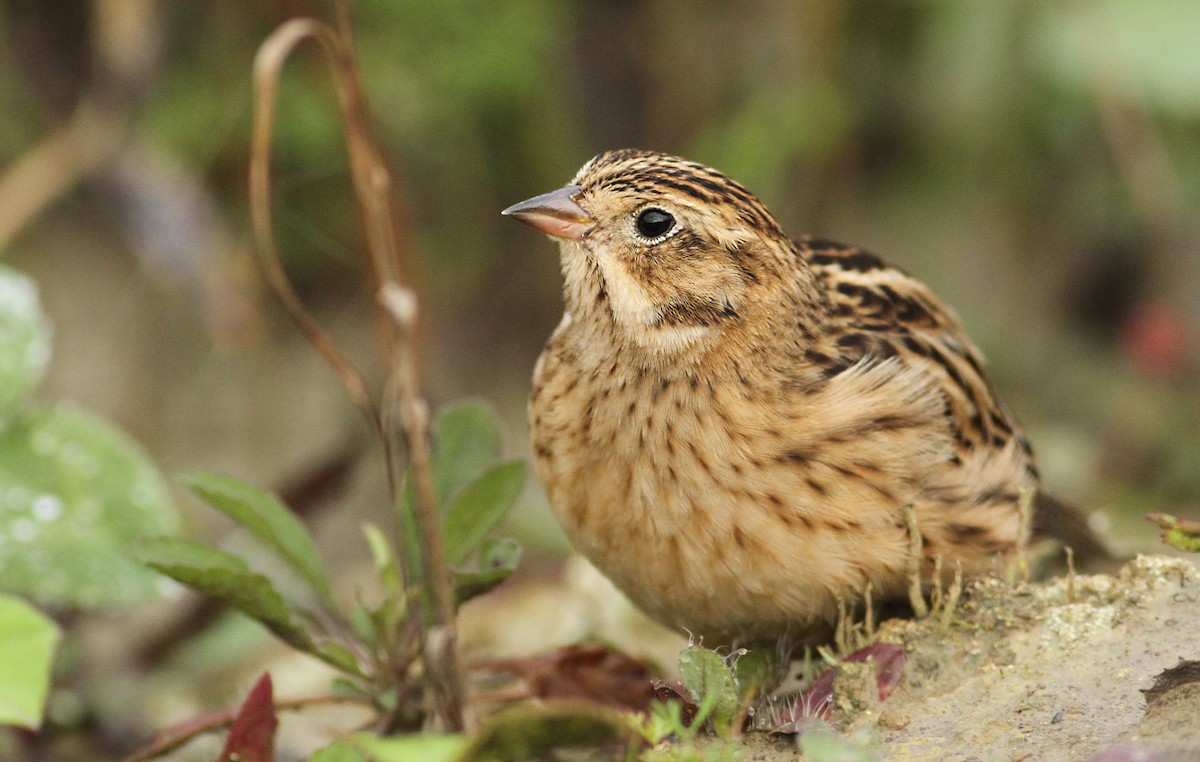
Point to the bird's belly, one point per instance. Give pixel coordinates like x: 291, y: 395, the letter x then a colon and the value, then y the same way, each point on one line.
x: 712, y: 558
x: 723, y: 513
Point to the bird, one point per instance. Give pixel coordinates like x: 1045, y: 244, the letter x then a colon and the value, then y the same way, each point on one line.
x: 735, y: 426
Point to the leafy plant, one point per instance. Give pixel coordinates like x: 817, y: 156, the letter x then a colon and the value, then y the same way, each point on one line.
x: 396, y: 651
x: 370, y: 643
x: 712, y: 684
x: 74, y: 491
x: 27, y: 640
x: 1181, y: 534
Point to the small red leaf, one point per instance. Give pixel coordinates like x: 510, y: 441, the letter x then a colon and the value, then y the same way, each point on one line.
x: 252, y: 736
x: 889, y: 665
x: 816, y: 701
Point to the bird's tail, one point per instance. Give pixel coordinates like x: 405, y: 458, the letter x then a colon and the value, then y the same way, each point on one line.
x: 1054, y: 519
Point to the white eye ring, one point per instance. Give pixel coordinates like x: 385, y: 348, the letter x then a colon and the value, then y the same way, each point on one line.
x: 654, y: 224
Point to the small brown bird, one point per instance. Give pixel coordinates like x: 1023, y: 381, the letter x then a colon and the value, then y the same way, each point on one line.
x: 730, y: 424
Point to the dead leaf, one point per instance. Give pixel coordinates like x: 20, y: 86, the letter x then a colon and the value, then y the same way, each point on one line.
x: 592, y: 671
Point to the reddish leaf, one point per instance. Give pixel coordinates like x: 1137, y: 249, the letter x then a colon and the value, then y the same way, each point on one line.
x: 590, y: 671
x: 252, y: 737
x: 677, y: 691
x: 816, y: 701
x: 889, y: 665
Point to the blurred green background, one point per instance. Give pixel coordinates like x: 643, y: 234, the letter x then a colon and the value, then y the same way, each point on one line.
x: 1037, y: 163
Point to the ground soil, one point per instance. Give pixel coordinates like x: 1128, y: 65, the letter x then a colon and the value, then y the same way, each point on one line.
x: 1049, y: 671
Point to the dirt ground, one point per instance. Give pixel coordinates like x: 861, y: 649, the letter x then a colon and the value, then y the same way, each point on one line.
x: 1051, y: 671
x: 1057, y: 670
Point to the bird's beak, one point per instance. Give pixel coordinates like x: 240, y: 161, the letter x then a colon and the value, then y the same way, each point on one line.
x: 554, y: 213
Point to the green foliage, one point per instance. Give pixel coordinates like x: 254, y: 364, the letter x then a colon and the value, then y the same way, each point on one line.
x: 713, y: 685
x: 1181, y: 534
x: 825, y: 747
x: 266, y: 518
x: 497, y: 559
x: 27, y: 640
x: 711, y: 682
x: 24, y: 339
x: 368, y: 642
x: 365, y: 747
x: 530, y: 731
x: 759, y: 667
x: 665, y: 721
x: 474, y: 493
x: 479, y: 507
x: 468, y: 442
x: 226, y: 577
x: 74, y: 491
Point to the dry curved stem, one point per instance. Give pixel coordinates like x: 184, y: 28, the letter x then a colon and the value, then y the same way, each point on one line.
x: 268, y: 64
x: 173, y: 738
x: 402, y: 416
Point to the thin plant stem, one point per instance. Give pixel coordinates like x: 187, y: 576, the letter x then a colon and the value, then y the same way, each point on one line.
x: 401, y: 419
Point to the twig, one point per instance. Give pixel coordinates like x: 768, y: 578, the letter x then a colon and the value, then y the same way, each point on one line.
x: 869, y: 614
x: 173, y: 738
x: 916, y: 596
x: 400, y: 397
x: 1070, y: 573
x: 1024, y: 523
x: 952, y: 597
x: 935, y: 597
x: 268, y: 64
x: 402, y: 417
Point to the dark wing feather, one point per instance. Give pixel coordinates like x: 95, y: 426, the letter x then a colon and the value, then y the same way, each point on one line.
x: 879, y: 310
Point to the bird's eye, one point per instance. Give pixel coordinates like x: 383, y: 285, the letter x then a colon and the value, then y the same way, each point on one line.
x: 654, y: 223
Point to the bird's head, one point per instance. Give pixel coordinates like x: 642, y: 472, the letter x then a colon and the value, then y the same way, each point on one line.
x: 672, y: 253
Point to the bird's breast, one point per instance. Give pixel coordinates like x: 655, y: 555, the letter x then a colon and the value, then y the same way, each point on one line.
x: 684, y: 491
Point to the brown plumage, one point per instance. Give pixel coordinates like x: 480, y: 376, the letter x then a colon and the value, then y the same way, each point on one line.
x: 730, y: 424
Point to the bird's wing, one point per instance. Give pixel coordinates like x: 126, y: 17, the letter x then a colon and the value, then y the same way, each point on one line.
x: 878, y: 310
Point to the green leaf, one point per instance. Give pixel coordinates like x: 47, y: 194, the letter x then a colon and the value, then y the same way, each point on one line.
x: 711, y: 683
x: 379, y: 622
x: 27, y: 640
x: 498, y: 558
x: 826, y: 747
x: 760, y: 667
x: 268, y: 519
x: 529, y: 731
x: 1181, y: 534
x: 24, y: 339
x: 74, y: 492
x: 338, y: 751
x: 419, y: 747
x: 385, y: 563
x: 337, y: 655
x: 227, y: 578
x: 479, y: 507
x: 466, y: 441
